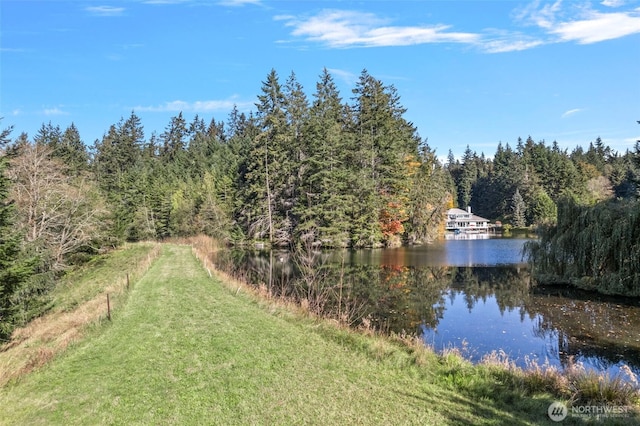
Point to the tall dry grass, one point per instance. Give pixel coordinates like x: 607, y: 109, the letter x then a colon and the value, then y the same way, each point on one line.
x: 575, y: 383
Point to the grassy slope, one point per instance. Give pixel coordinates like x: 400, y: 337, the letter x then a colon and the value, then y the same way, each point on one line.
x: 79, y: 301
x: 186, y: 350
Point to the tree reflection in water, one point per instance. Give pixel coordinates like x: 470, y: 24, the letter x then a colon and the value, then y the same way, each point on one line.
x: 395, y: 297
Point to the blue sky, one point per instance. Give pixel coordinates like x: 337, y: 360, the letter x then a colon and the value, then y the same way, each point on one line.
x: 470, y: 72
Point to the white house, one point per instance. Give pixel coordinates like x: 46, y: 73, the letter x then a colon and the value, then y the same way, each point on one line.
x: 461, y: 221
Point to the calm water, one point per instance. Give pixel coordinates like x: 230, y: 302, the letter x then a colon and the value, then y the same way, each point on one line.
x: 474, y: 295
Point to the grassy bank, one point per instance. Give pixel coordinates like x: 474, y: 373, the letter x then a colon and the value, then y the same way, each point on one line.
x: 186, y: 349
x: 79, y: 302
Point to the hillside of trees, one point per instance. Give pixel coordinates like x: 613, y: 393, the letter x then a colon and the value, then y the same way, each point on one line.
x: 320, y: 171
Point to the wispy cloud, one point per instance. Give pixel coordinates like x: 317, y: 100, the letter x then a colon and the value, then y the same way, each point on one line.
x: 196, y: 106
x: 346, y: 76
x: 236, y: 3
x: 105, y: 10
x: 631, y: 141
x: 613, y: 3
x: 114, y: 57
x: 165, y: 1
x: 509, y: 42
x: 542, y: 16
x: 542, y: 23
x: 54, y: 111
x: 231, y: 3
x: 571, y: 112
x: 344, y: 29
x: 12, y: 50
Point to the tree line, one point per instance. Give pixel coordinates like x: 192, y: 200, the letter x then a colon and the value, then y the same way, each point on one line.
x: 524, y: 185
x: 319, y: 171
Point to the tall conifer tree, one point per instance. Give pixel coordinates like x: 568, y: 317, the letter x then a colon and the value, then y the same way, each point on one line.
x: 14, y: 269
x: 267, y: 168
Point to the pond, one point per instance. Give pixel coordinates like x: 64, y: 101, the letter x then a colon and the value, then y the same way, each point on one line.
x: 474, y: 295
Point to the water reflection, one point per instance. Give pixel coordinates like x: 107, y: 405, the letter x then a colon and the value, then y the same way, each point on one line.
x: 434, y: 293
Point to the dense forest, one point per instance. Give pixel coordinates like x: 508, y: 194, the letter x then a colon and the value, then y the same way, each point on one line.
x: 318, y: 171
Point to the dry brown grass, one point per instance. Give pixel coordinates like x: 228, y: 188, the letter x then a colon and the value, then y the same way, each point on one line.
x: 35, y: 344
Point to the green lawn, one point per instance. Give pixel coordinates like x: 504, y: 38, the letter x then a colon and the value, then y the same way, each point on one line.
x: 185, y: 349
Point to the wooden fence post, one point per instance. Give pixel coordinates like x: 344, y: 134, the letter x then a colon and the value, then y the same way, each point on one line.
x: 108, y: 308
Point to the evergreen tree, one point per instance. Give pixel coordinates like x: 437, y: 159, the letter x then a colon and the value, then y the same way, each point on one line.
x: 118, y: 166
x: 14, y: 268
x: 636, y: 179
x: 72, y: 151
x: 297, y: 115
x: 542, y: 208
x: 467, y: 178
x: 267, y: 169
x: 67, y: 146
x: 519, y: 209
x: 325, y: 194
x: 507, y: 176
x: 430, y: 197
x: 388, y: 144
x: 48, y: 135
x: 174, y: 144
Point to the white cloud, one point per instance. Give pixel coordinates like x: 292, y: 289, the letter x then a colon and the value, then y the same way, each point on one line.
x: 105, y: 10
x: 580, y: 23
x: 571, y: 112
x: 196, y: 106
x: 343, y: 29
x: 596, y: 27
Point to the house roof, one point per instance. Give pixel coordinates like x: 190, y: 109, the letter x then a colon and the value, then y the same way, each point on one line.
x: 458, y: 212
